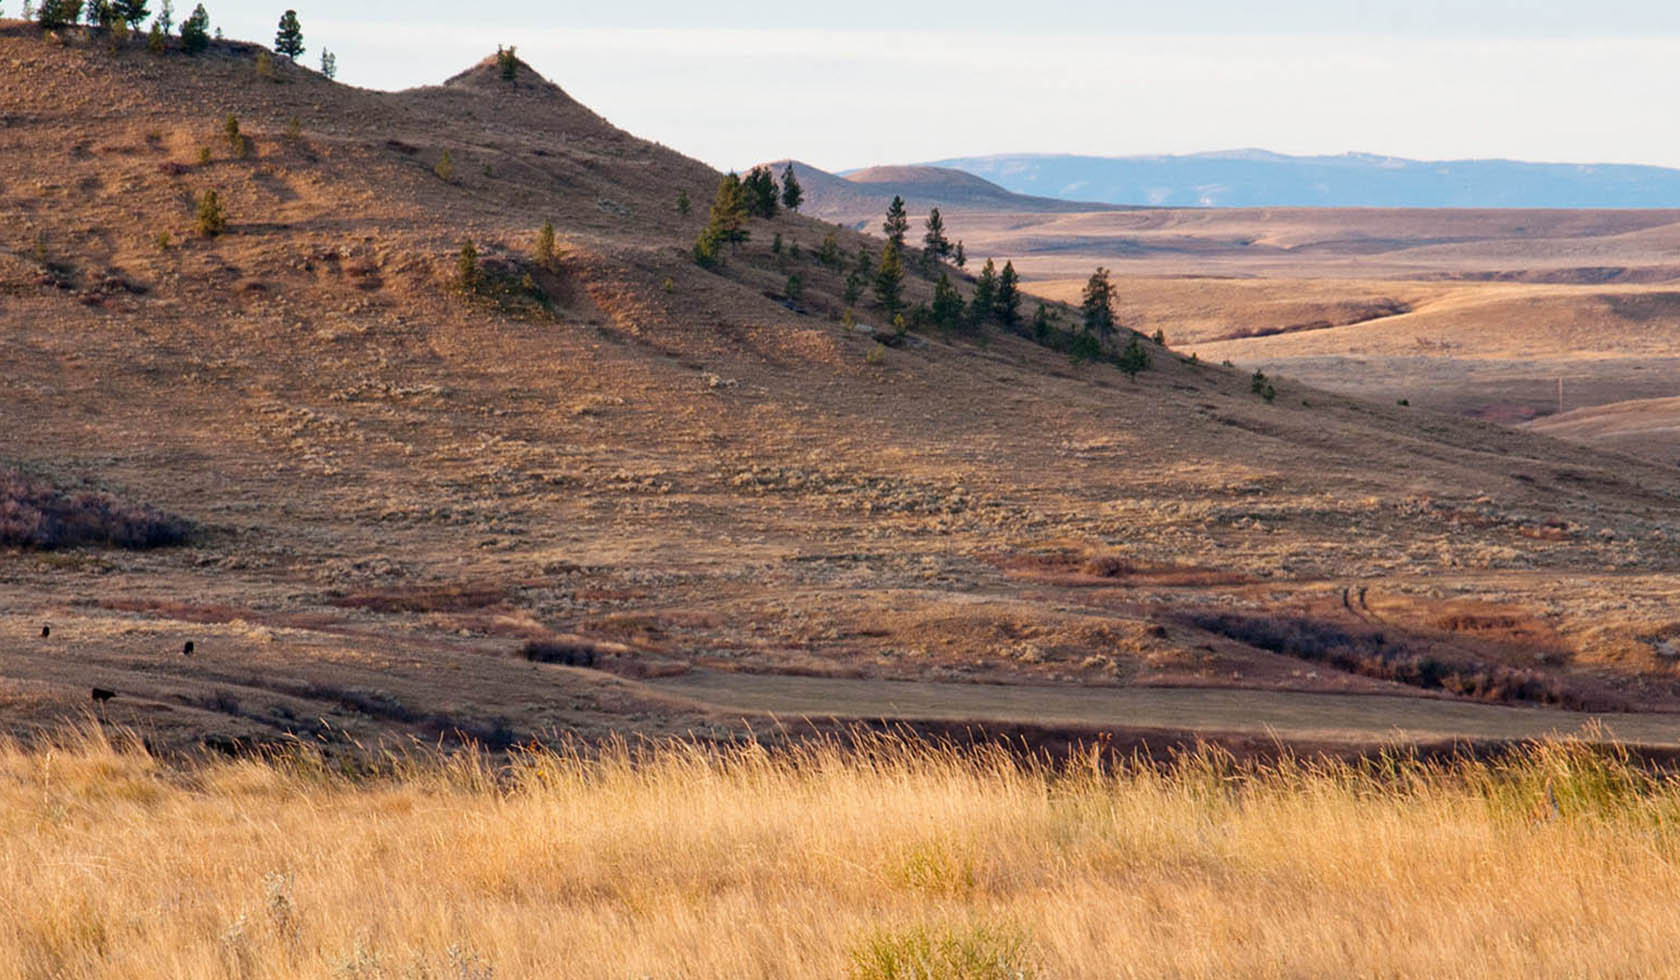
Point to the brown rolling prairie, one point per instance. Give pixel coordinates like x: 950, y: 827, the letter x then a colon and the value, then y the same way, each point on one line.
x: 395, y: 486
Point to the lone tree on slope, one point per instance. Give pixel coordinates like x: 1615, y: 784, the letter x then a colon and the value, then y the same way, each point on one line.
x: 984, y: 304
x: 1006, y: 302
x: 726, y: 223
x: 889, y: 280
x: 947, y: 309
x: 792, y: 194
x: 934, y: 242
x: 897, y: 222
x: 289, y: 39
x: 133, y: 11
x: 1096, y: 306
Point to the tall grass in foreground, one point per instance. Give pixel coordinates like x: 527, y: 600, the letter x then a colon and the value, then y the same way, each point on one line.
x: 881, y: 861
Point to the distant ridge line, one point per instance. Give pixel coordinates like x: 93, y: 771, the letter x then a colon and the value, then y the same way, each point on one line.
x: 1261, y: 178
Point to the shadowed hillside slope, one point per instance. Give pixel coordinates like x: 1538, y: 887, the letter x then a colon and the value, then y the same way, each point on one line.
x: 500, y: 511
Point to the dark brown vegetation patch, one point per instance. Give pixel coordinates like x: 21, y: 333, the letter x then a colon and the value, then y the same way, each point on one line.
x: 454, y: 597
x: 1081, y: 568
x: 37, y: 514
x: 1394, y: 656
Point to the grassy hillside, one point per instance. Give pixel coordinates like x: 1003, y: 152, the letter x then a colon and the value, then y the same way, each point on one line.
x: 395, y: 485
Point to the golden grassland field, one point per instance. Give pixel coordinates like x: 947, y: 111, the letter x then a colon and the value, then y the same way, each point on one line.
x: 878, y: 859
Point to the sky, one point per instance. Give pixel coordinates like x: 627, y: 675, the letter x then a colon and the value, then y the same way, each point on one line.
x: 863, y: 82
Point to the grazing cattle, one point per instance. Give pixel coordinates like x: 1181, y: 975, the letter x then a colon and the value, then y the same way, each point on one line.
x: 101, y: 695
x: 187, y: 650
x: 46, y: 631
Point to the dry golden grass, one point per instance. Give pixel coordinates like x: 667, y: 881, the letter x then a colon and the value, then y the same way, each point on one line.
x: 889, y: 861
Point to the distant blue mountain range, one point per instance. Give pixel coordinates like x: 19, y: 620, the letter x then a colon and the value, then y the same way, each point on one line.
x: 1256, y: 178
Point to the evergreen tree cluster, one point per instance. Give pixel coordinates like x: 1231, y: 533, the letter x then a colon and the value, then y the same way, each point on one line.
x: 54, y: 14
x: 763, y: 197
x: 121, y: 17
x: 195, y: 31
x: 737, y: 201
x: 996, y: 298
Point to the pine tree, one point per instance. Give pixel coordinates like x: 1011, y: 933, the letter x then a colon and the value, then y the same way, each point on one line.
x: 329, y: 64
x: 545, y: 244
x: 508, y: 63
x: 212, y: 221
x: 984, y: 303
x: 729, y: 215
x: 288, y: 40
x: 235, y: 139
x: 55, y: 14
x: 166, y: 16
x: 854, y: 287
x: 1007, y: 303
x: 445, y: 168
x: 961, y: 257
x: 684, y: 205
x: 1134, y: 358
x: 1096, y: 305
x: 466, y: 267
x: 829, y: 253
x: 889, y: 279
x: 708, y: 249
x: 761, y: 193
x: 155, y: 39
x: 934, y: 242
x: 1041, y: 323
x: 897, y: 222
x: 100, y: 13
x: 792, y: 194
x: 133, y: 12
x: 947, y: 309
x: 195, y: 31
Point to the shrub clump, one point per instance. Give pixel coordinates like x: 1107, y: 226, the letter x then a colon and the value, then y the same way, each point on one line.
x: 977, y: 952
x: 36, y: 514
x: 211, y: 220
x: 559, y: 652
x: 1372, y: 653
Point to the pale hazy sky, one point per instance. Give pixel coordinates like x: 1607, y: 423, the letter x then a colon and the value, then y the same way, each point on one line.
x: 858, y: 82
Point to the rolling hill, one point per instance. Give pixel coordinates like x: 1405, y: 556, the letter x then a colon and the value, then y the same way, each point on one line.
x: 859, y: 198
x: 1256, y: 178
x: 516, y: 503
